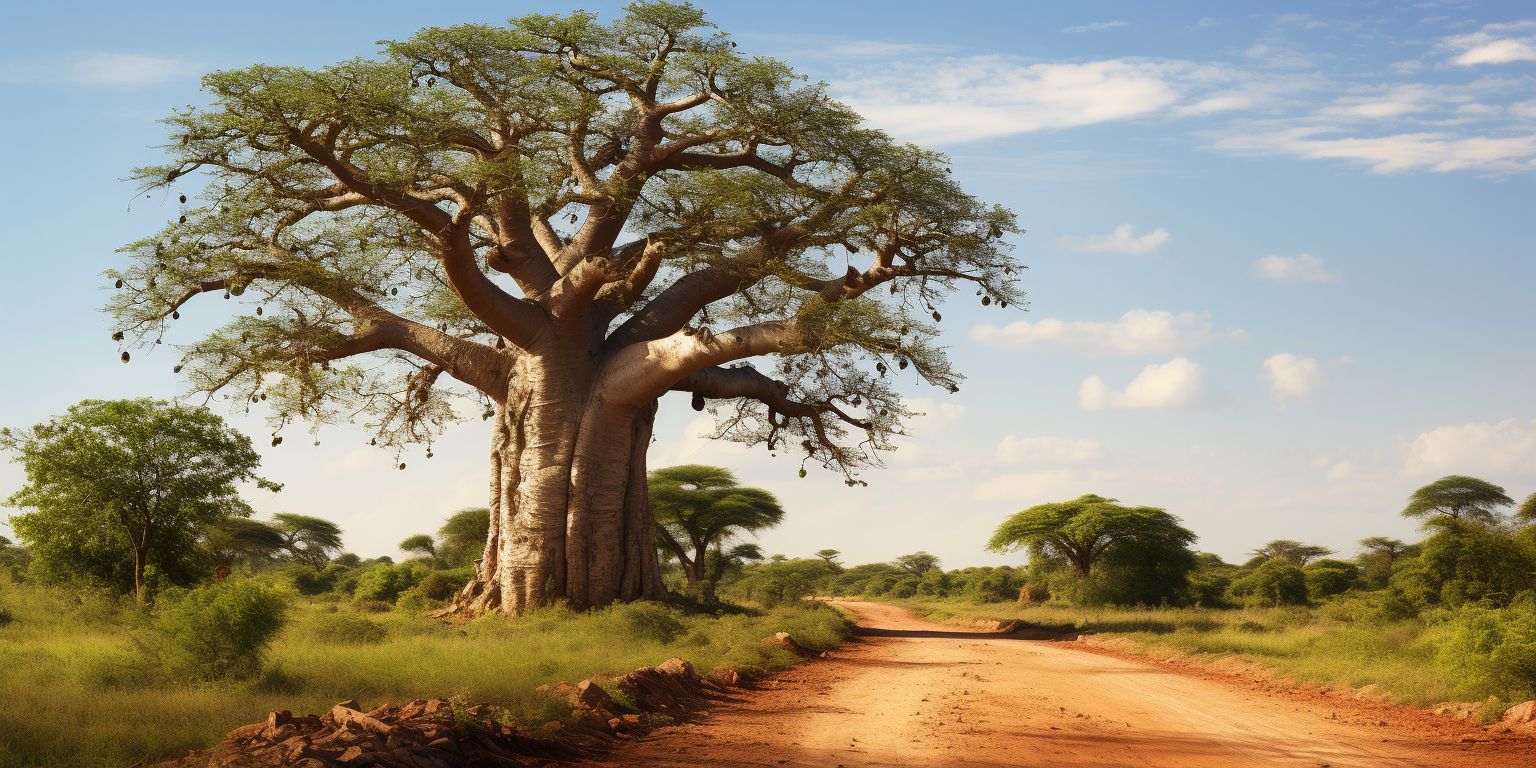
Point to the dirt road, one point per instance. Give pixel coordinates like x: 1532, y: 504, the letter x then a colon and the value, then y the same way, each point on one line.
x: 914, y: 693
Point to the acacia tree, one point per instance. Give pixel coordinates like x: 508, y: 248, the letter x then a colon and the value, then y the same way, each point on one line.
x: 1460, y: 498
x: 918, y: 563
x: 697, y: 509
x: 308, y: 540
x: 570, y: 219
x: 1293, y: 552
x: 1084, y: 529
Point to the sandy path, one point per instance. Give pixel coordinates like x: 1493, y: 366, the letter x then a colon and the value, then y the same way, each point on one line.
x: 915, y: 693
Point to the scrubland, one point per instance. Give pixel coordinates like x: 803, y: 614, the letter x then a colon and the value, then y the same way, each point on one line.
x: 91, y: 680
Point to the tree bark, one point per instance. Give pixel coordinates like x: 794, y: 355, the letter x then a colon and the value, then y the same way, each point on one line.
x: 569, y: 508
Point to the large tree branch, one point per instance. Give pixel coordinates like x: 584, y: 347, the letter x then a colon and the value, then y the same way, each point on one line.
x: 718, y: 383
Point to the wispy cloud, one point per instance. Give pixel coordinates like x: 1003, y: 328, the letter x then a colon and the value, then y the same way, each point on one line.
x: 1122, y: 240
x: 1178, y: 383
x: 1294, y: 269
x: 954, y: 100
x: 1391, y: 154
x: 1137, y: 332
x: 1493, y: 45
x: 107, y: 69
x: 1096, y: 27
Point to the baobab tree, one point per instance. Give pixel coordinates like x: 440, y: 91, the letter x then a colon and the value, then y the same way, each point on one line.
x: 571, y: 219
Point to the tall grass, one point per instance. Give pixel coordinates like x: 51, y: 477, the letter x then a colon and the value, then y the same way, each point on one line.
x: 1327, y: 646
x: 81, y: 683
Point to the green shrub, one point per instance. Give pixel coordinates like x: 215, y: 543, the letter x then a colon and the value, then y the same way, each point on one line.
x: 649, y: 621
x: 371, y: 606
x: 221, y: 631
x: 1490, y: 651
x: 385, y: 582
x: 1276, y: 582
x: 1326, y: 578
x: 1467, y: 563
x: 346, y: 629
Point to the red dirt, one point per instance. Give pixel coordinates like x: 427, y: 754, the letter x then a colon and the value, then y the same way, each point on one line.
x: 917, y: 693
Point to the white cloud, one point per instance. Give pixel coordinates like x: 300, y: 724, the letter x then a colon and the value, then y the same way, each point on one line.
x: 1013, y: 450
x: 1407, y: 67
x: 1389, y: 154
x: 1294, y: 269
x: 964, y: 99
x: 1293, y: 378
x: 1096, y: 27
x: 1473, y: 449
x: 128, y: 69
x: 1175, y: 384
x: 1037, y: 486
x: 1123, y: 240
x: 1137, y: 332
x: 1488, y: 47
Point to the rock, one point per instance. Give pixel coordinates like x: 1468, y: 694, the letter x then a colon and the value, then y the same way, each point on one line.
x: 345, y: 715
x: 1372, y: 693
x: 726, y: 676
x: 590, y: 695
x: 1520, y: 714
x: 783, y: 640
x: 350, y: 704
x: 554, y: 725
x: 351, y: 754
x: 676, y: 666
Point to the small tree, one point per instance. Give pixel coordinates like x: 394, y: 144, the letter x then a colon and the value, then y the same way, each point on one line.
x: 308, y: 540
x: 1458, y: 497
x: 239, y: 539
x: 697, y: 508
x: 1377, y: 556
x: 1527, y: 511
x: 128, y: 478
x: 1082, y: 530
x: 462, y: 538
x: 1276, y: 582
x: 829, y: 555
x: 918, y: 563
x: 421, y: 544
x: 1293, y: 552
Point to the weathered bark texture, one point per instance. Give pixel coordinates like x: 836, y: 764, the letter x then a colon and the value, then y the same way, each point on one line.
x: 570, y: 515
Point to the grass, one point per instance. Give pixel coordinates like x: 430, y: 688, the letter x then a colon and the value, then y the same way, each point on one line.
x: 79, y: 685
x: 1325, y: 646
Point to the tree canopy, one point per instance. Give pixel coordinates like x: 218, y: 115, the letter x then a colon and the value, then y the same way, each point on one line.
x: 461, y: 540
x: 1458, y: 497
x: 918, y: 563
x: 1293, y: 552
x: 308, y: 540
x: 569, y: 219
x: 124, y: 487
x: 698, y: 508
x: 1081, y: 530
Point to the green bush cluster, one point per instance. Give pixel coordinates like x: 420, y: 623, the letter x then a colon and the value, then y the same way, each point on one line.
x: 221, y: 631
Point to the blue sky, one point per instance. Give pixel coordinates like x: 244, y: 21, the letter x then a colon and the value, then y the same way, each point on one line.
x: 1280, y: 260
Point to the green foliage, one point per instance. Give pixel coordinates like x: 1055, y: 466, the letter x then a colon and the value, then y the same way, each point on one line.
x: 385, y: 582
x: 123, y: 488
x: 1378, y: 555
x: 698, y: 508
x: 648, y: 621
x: 918, y: 563
x: 308, y: 540
x: 343, y: 628
x: 1458, y: 497
x: 461, y: 540
x: 1326, y: 578
x: 1488, y: 649
x: 222, y: 631
x: 1140, y: 571
x: 781, y: 582
x: 1277, y: 582
x: 1293, y: 552
x: 1527, y: 511
x: 420, y: 544
x: 1467, y: 562
x: 1082, y: 530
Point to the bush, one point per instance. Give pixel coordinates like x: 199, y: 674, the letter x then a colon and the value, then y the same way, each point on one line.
x: 384, y: 582
x: 1489, y: 651
x: 346, y: 629
x: 1276, y: 582
x: 649, y: 621
x: 1326, y: 578
x: 1466, y: 563
x: 221, y: 631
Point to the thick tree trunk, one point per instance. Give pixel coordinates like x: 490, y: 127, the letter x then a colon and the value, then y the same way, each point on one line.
x: 570, y: 512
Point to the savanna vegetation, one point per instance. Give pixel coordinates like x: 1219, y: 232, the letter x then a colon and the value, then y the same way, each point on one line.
x: 1449, y: 617
x: 144, y: 612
